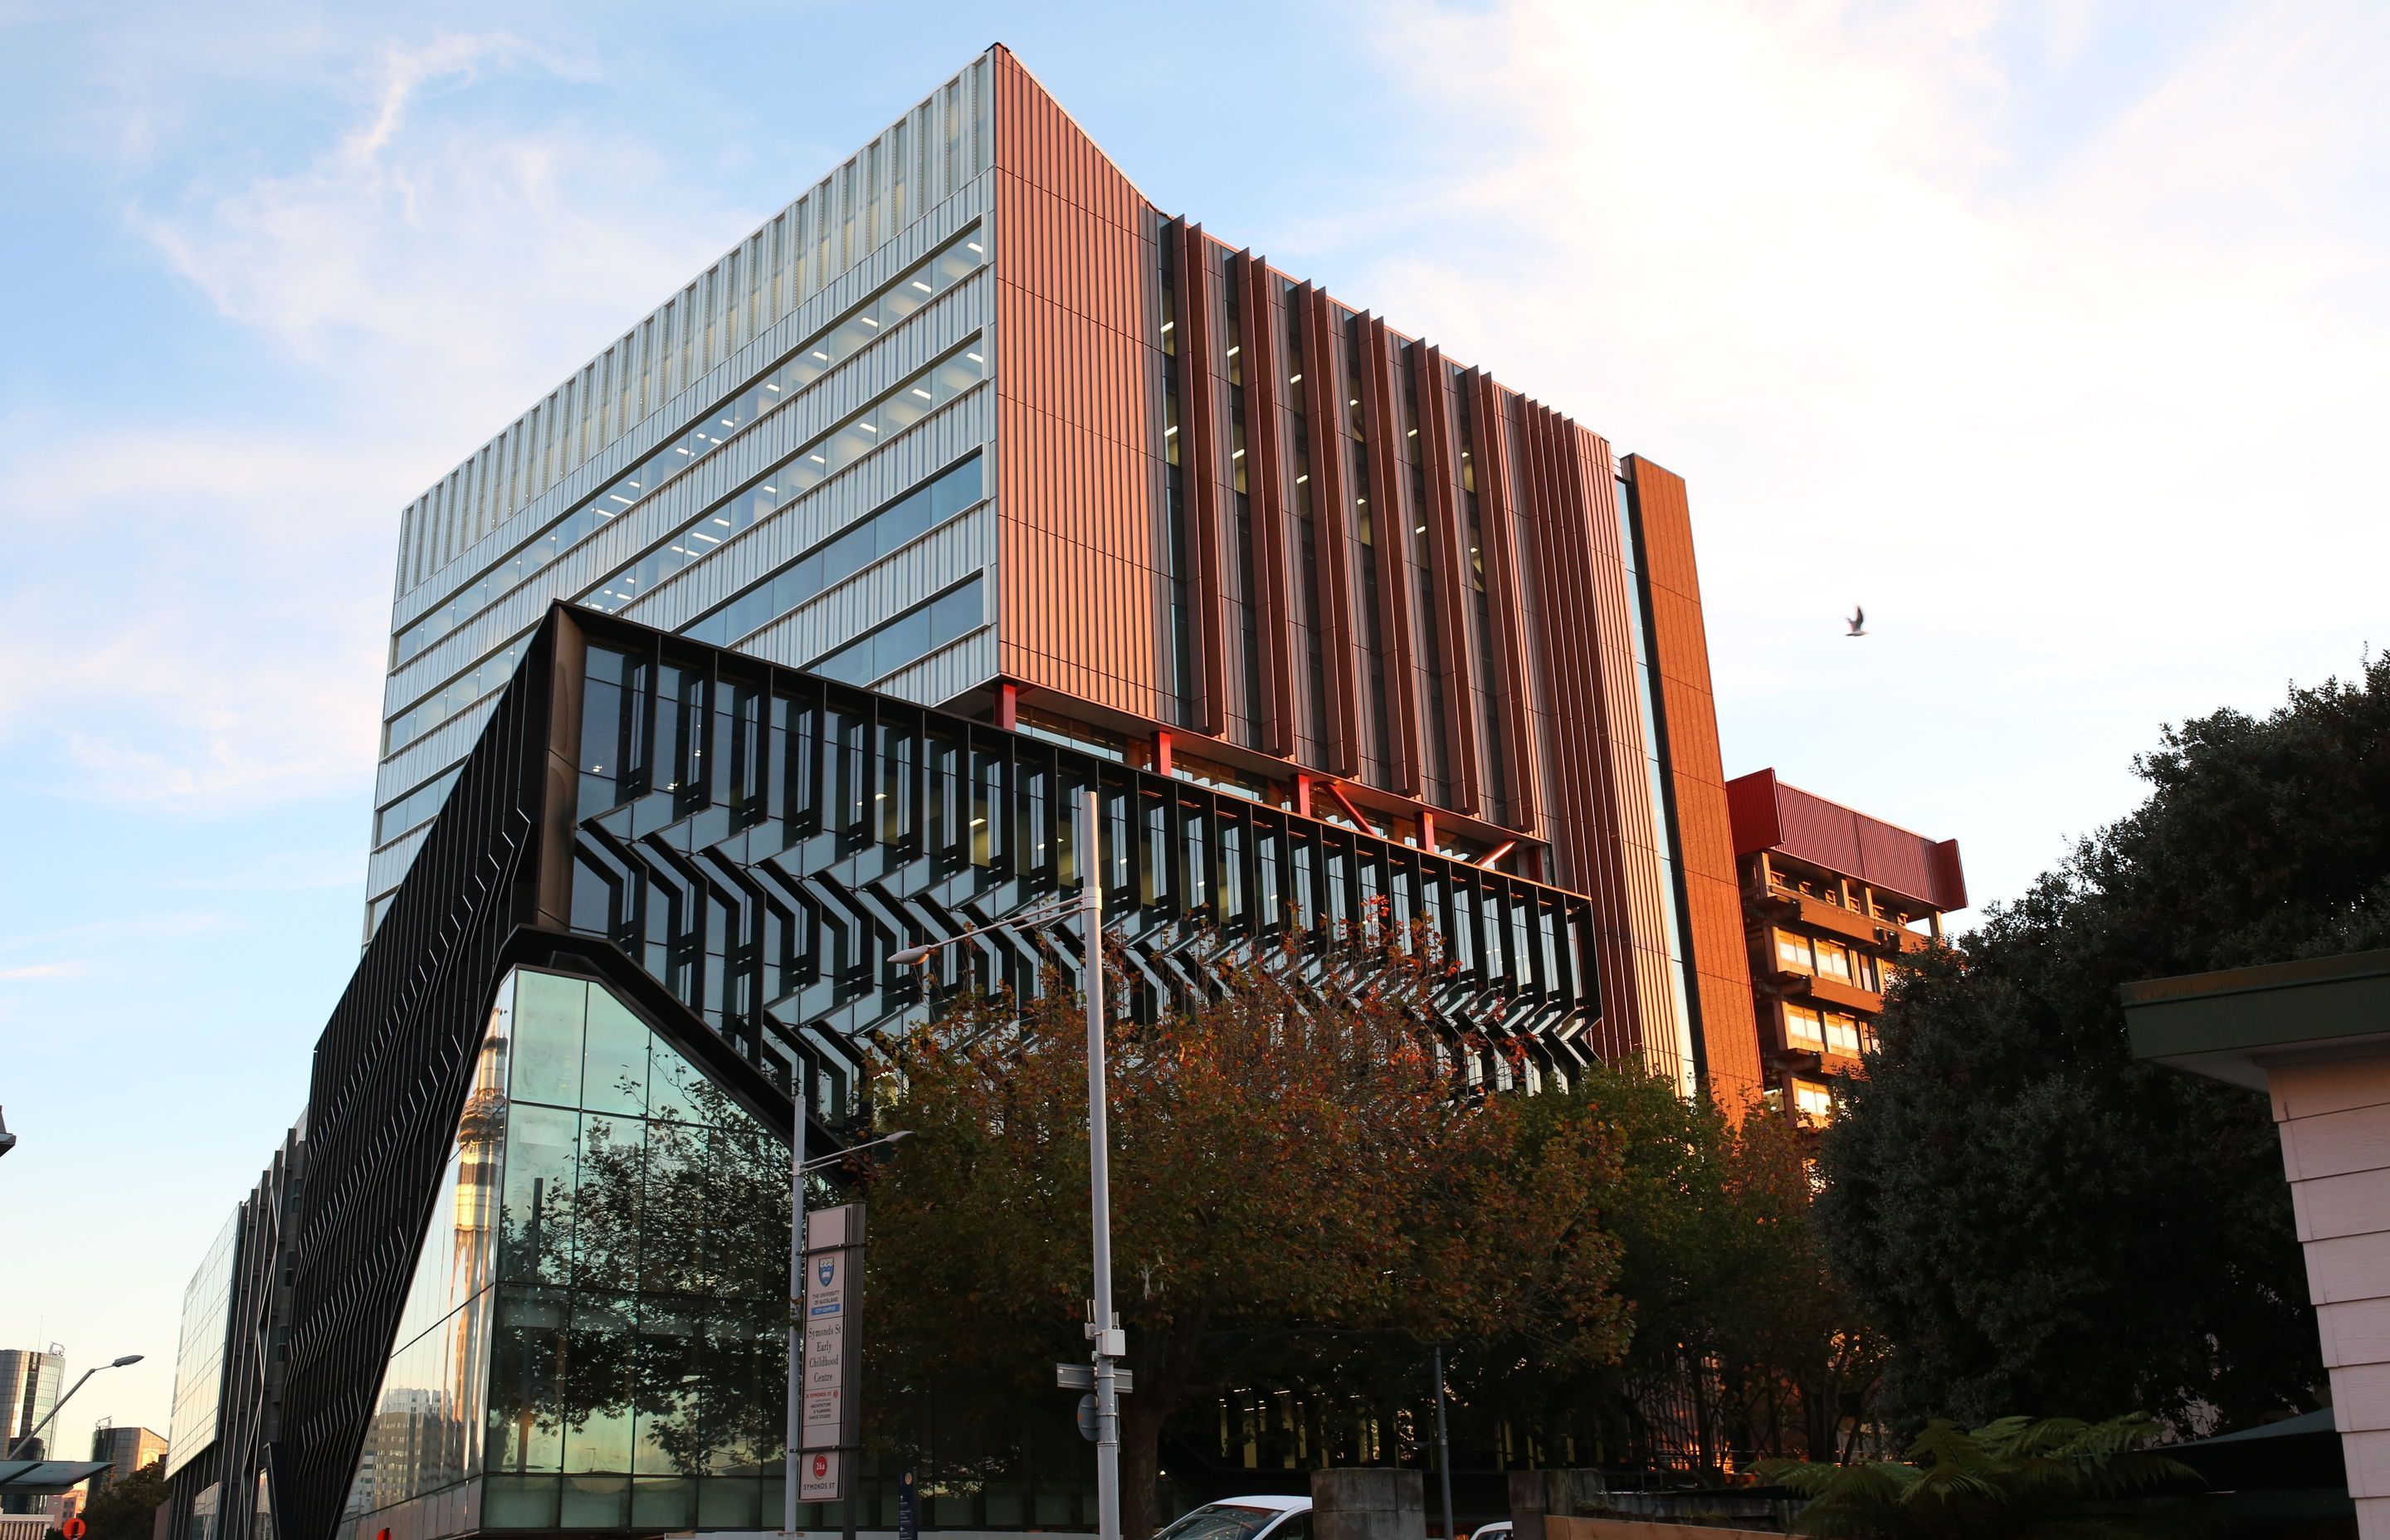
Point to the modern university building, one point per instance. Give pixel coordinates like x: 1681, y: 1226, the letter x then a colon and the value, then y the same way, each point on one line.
x: 789, y: 631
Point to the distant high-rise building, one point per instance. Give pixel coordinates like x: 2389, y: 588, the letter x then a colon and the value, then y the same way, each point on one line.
x: 126, y: 1450
x: 30, y: 1381
x: 1834, y: 900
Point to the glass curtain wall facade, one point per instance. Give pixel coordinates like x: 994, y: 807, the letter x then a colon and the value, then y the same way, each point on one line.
x: 595, y: 1337
x: 827, y: 365
x: 199, y: 1359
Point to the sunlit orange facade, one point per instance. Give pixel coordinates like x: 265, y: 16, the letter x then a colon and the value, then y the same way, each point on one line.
x: 1835, y: 902
x: 1255, y: 534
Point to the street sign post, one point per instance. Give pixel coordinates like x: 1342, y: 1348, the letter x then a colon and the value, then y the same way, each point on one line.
x: 830, y: 1428
x: 819, y: 1477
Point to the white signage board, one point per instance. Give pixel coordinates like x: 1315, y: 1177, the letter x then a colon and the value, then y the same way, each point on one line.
x: 821, y: 1476
x: 832, y: 1292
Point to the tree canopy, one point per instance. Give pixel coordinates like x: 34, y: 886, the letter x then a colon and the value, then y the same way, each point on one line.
x: 124, y: 1508
x: 1296, y: 1179
x: 2043, y: 1226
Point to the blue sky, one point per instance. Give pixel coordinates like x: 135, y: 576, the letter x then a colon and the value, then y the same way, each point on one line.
x: 2054, y: 333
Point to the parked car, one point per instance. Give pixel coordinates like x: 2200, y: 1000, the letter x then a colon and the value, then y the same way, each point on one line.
x: 1265, y: 1518
x: 1498, y: 1531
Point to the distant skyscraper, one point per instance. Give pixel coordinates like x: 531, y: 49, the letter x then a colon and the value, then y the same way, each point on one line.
x: 126, y: 1450
x: 30, y: 1381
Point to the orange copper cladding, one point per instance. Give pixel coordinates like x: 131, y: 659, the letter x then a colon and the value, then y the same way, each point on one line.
x: 1604, y: 842
x: 1260, y: 328
x: 1704, y: 835
x: 1333, y: 583
x: 1513, y: 700
x: 1084, y: 569
x: 1447, y: 544
x: 1381, y: 422
x: 1081, y: 569
x: 1200, y: 457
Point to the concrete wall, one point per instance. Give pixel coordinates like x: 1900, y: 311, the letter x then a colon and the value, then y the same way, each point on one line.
x: 1365, y: 1503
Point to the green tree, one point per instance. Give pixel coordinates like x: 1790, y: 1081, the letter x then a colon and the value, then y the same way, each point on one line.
x: 2015, y: 1477
x: 1296, y: 1175
x: 125, y: 1508
x: 2036, y: 1219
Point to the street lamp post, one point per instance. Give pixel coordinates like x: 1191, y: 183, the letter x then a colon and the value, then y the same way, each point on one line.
x: 36, y: 1430
x: 1112, y: 1344
x: 1111, y: 1341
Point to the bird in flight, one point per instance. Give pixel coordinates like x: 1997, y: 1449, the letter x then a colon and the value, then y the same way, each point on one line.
x: 1858, y: 621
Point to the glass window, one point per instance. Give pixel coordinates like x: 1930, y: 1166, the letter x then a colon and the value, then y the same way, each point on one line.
x: 1813, y: 1102
x: 1792, y: 953
x: 1842, y: 1034
x: 1834, y: 960
x: 614, y: 1074
x: 535, y: 1205
x: 1802, y: 1027
x: 547, y: 1048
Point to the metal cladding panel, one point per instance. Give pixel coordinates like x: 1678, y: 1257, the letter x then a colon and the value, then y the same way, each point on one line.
x: 1265, y: 478
x: 1345, y: 667
x: 1713, y: 894
x: 1381, y: 420
x: 1896, y: 859
x: 1771, y: 815
x: 1751, y: 812
x: 1604, y: 822
x: 1515, y: 701
x: 1448, y: 544
x: 1199, y: 457
x: 1083, y: 574
x: 1949, y: 879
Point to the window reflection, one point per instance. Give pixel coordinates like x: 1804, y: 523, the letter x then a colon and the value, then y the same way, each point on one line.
x: 878, y: 423
x: 845, y: 554
x: 909, y: 637
x: 658, y: 1350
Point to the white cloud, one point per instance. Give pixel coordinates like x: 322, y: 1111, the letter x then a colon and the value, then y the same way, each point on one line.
x: 2089, y: 429
x: 30, y: 973
x: 429, y: 266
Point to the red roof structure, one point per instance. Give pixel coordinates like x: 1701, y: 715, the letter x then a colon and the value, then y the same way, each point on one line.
x: 1767, y: 814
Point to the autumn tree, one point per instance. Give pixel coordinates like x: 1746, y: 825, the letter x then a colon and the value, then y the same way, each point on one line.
x: 1294, y: 1170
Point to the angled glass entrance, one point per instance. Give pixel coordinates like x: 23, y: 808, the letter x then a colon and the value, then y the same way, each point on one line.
x: 594, y: 1337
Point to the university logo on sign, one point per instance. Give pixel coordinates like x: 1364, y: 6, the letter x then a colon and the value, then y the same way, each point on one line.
x: 827, y: 1271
